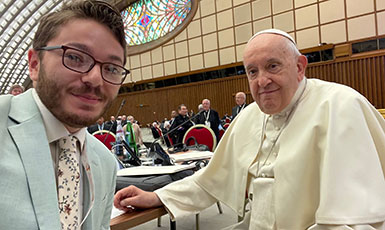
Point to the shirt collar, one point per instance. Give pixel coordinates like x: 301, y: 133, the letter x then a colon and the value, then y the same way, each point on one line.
x: 53, y: 127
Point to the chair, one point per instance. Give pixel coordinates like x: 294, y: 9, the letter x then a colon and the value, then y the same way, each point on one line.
x: 221, y: 132
x: 203, y: 134
x: 206, y: 136
x: 106, y: 137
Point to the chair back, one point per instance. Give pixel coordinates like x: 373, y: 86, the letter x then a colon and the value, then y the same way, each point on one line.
x: 221, y: 132
x: 101, y: 135
x: 203, y: 135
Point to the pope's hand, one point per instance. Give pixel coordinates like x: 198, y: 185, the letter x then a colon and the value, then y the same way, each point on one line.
x: 133, y: 197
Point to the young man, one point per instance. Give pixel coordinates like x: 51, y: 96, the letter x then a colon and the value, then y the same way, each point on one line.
x: 309, y: 154
x: 54, y: 174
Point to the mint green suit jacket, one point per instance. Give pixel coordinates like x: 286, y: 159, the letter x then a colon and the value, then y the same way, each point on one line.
x: 28, y: 194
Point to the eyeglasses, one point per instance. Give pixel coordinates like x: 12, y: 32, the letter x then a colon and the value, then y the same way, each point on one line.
x: 81, y: 62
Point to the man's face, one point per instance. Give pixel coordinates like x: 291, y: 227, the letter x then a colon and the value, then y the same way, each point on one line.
x: 76, y: 99
x: 130, y: 119
x: 100, y: 120
x: 240, y: 99
x: 206, y: 104
x: 183, y: 111
x: 273, y: 71
x: 112, y: 118
x: 16, y: 91
x: 173, y: 114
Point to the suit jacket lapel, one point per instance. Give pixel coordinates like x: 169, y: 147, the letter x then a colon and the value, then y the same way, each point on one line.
x: 30, y: 138
x: 90, y: 183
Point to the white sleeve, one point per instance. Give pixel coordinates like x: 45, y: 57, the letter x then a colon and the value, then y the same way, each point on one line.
x: 184, y: 197
x: 374, y: 226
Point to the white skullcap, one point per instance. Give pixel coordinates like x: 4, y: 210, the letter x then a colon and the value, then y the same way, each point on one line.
x: 273, y: 31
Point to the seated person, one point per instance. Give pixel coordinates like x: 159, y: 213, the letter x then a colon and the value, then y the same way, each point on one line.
x: 181, y: 121
x: 155, y: 130
x: 309, y: 154
x: 100, y: 125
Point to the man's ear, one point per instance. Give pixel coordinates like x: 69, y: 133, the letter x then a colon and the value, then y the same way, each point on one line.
x: 33, y: 64
x: 301, y: 66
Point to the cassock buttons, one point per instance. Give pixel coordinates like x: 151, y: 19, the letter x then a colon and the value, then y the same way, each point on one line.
x: 275, y: 154
x: 277, y: 128
x: 263, y: 175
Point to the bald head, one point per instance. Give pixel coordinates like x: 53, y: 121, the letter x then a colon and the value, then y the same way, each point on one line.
x: 240, y: 98
x: 206, y: 104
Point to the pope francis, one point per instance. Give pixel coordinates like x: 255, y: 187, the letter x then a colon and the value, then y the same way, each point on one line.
x: 309, y: 154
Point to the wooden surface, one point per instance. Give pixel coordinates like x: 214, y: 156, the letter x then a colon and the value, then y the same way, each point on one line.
x: 129, y: 220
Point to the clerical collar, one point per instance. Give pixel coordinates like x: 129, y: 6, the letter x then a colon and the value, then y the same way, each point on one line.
x: 298, y: 93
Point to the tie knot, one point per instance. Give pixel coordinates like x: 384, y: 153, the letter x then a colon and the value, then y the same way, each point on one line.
x: 68, y: 143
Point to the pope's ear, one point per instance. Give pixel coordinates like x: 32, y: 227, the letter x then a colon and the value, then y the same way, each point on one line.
x: 301, y: 66
x: 33, y: 64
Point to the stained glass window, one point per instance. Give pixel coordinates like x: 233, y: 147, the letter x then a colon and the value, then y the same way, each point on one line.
x: 148, y: 20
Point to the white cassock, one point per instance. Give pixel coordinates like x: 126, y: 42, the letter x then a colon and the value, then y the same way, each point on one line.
x: 324, y: 172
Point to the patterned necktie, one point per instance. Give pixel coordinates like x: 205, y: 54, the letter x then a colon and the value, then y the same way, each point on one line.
x: 68, y: 183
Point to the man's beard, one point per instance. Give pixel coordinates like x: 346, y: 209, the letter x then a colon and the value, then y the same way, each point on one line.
x: 49, y: 94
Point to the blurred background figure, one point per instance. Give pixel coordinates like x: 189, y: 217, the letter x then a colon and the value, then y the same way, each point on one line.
x: 209, y: 117
x: 182, y: 122
x: 240, y: 100
x: 100, y: 125
x: 133, y: 134
x: 16, y: 89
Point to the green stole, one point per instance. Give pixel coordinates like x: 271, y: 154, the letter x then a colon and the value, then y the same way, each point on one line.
x: 130, y: 137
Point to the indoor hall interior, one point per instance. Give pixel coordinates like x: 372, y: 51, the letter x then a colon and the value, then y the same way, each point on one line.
x: 193, y: 50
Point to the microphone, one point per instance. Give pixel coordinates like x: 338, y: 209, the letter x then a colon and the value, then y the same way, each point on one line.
x: 134, y: 159
x: 177, y: 127
x: 155, y: 148
x: 109, y: 130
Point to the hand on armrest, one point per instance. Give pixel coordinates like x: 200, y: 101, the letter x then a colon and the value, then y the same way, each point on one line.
x: 136, y: 198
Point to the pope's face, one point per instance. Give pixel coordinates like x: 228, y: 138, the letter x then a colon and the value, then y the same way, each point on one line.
x: 76, y: 99
x: 273, y: 70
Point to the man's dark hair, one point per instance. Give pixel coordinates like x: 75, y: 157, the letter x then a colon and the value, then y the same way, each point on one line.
x: 97, y: 10
x: 180, y: 106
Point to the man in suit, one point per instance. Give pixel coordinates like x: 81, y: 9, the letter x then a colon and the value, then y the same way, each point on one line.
x: 240, y: 100
x: 182, y: 117
x: 100, y: 125
x: 76, y: 66
x: 209, y: 117
x: 112, y: 122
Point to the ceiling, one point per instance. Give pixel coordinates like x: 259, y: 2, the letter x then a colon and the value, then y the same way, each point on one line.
x: 18, y: 24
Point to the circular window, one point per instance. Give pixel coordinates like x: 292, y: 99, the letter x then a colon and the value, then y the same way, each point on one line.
x: 151, y: 23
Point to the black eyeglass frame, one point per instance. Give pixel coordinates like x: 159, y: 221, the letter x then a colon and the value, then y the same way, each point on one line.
x: 65, y: 48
